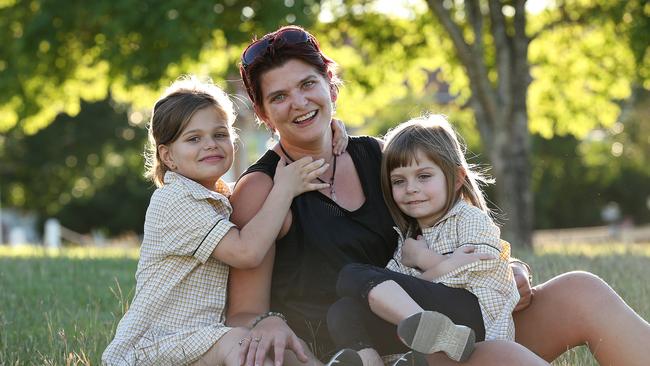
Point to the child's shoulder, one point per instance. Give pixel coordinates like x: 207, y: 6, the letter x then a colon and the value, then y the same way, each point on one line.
x: 169, y: 195
x: 467, y: 211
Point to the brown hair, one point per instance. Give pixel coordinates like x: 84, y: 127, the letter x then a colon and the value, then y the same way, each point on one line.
x: 434, y: 137
x: 277, y: 54
x: 173, y: 111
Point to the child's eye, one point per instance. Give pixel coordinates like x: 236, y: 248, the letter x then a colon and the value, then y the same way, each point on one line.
x: 193, y: 139
x: 424, y: 176
x: 221, y: 135
x: 308, y: 84
x: 397, y: 182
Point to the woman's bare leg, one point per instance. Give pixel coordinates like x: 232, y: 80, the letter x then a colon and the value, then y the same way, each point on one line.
x: 579, y: 308
x: 493, y: 353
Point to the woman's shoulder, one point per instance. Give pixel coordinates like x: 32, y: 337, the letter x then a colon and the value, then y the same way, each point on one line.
x: 364, y: 143
x: 266, y: 164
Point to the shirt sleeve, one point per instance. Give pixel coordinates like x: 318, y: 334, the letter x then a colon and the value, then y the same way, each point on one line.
x: 193, y: 228
x: 477, y: 228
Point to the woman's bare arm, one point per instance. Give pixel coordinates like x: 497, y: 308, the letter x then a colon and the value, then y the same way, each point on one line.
x: 249, y: 291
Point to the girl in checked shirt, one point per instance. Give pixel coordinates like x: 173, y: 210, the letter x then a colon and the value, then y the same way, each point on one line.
x: 433, y: 195
x: 177, y: 314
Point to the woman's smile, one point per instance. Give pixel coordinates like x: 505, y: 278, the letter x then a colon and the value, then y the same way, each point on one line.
x: 306, y: 118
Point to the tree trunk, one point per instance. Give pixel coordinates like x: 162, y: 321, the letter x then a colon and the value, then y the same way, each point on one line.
x: 510, y: 156
x: 499, y: 106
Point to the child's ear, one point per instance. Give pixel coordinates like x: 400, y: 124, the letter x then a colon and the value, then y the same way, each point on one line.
x: 166, y: 156
x: 460, y: 178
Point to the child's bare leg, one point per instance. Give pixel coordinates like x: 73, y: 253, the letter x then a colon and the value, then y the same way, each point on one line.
x: 577, y: 308
x: 370, y: 357
x: 390, y: 302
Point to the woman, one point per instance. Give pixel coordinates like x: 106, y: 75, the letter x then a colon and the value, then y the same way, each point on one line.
x: 293, y: 86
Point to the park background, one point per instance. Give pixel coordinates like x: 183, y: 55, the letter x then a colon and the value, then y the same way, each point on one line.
x: 554, y: 96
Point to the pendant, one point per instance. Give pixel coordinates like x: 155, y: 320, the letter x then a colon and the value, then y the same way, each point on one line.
x: 333, y: 195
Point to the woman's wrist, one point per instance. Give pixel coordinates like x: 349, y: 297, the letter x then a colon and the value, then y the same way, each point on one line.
x: 261, y: 317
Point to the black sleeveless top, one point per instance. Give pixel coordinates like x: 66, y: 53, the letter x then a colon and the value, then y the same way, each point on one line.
x: 324, y: 237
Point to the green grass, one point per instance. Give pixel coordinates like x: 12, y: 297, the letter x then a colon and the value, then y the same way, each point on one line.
x: 61, y: 307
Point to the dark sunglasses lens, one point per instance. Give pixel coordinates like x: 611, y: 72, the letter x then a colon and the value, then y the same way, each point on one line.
x: 293, y: 36
x: 253, y: 51
x: 289, y: 36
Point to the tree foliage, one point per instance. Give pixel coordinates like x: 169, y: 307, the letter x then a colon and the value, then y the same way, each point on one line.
x: 561, y: 71
x: 56, y: 53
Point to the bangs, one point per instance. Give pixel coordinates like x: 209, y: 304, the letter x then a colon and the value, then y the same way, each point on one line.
x: 399, y: 155
x: 403, y: 148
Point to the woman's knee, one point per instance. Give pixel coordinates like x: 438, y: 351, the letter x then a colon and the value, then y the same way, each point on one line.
x: 578, y: 287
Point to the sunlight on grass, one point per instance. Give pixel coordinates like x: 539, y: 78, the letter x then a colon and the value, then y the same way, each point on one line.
x: 75, y: 296
x: 594, y: 250
x: 34, y: 251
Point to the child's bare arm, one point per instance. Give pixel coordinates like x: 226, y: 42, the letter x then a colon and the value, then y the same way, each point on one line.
x: 246, y: 248
x: 461, y: 256
x: 339, y: 137
x: 416, y: 254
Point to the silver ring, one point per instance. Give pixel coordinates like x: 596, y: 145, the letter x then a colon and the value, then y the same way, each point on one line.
x: 256, y: 339
x: 241, y: 341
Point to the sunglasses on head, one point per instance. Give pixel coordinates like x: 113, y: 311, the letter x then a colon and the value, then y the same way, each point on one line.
x: 261, y: 46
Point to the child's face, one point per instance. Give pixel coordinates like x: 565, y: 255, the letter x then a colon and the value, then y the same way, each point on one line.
x: 420, y: 190
x: 204, y: 150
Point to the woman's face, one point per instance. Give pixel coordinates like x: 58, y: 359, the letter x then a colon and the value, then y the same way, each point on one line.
x: 297, y: 101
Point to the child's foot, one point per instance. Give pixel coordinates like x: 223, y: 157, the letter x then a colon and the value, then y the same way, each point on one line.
x: 346, y: 357
x: 412, y: 358
x: 429, y: 332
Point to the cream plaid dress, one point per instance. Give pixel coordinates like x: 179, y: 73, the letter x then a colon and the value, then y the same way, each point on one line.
x: 177, y: 312
x: 490, y: 280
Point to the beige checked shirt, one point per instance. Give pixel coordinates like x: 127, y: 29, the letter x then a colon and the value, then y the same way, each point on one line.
x: 177, y: 312
x: 490, y: 280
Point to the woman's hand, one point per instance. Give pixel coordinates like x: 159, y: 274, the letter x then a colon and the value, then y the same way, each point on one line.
x: 270, y: 333
x: 339, y: 137
x: 526, y: 292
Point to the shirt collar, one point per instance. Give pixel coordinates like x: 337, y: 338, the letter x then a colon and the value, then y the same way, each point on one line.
x: 453, y: 211
x: 222, y: 191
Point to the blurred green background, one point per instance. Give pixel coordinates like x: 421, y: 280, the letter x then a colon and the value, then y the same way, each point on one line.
x: 78, y: 80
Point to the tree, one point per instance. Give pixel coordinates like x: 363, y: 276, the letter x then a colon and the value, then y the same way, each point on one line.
x: 86, y: 171
x: 56, y: 53
x: 63, y: 151
x: 554, y: 73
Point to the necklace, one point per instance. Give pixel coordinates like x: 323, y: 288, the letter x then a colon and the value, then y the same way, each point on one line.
x: 331, y: 182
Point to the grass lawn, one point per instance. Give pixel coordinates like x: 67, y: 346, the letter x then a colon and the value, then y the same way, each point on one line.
x: 62, y: 307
